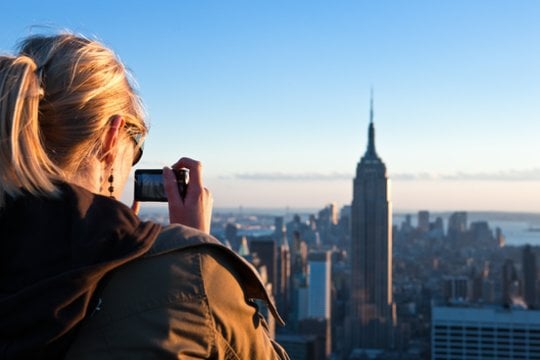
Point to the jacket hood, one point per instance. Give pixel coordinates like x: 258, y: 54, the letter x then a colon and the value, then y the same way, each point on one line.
x: 53, y: 253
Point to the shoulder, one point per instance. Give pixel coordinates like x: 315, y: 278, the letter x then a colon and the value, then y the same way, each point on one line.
x: 183, y: 263
x: 180, y: 241
x: 189, y: 295
x: 153, y: 307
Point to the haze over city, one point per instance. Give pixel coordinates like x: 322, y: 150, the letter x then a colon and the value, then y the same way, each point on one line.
x: 274, y: 97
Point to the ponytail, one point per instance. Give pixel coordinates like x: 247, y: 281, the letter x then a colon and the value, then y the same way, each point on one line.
x: 24, y: 164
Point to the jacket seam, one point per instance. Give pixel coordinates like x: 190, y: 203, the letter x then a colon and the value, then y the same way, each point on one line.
x: 229, y: 351
x: 210, y: 319
x: 173, y: 298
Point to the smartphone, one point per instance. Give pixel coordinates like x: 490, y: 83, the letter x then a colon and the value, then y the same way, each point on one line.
x: 149, y: 184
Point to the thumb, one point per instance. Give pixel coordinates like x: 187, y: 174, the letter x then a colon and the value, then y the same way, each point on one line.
x: 171, y: 186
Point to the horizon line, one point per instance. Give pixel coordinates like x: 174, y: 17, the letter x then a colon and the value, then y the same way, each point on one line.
x: 309, y: 209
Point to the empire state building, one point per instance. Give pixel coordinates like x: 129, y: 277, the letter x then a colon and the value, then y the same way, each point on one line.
x: 372, y: 311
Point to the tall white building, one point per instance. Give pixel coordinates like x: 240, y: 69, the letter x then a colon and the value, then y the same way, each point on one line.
x: 319, y: 290
x: 484, y: 333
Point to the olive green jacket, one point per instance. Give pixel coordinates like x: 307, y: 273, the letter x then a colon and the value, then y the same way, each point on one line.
x: 189, y: 297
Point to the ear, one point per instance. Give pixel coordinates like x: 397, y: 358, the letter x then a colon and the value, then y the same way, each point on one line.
x: 110, y: 142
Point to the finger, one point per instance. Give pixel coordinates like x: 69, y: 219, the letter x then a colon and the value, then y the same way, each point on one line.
x: 171, y: 188
x: 195, y: 170
x: 136, y: 206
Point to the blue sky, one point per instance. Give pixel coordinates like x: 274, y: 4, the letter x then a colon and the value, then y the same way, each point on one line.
x: 273, y: 96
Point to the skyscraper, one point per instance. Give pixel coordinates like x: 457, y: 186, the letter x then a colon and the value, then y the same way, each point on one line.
x: 371, y: 308
x: 320, y: 267
x: 266, y: 250
x: 529, y: 277
x: 423, y: 221
x: 510, y: 283
x: 319, y: 300
x: 457, y: 225
x: 283, y: 267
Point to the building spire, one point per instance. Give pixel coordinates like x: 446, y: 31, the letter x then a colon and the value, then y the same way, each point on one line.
x: 370, y: 152
x: 371, y: 108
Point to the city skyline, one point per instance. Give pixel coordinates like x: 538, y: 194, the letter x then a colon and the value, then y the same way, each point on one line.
x: 274, y: 98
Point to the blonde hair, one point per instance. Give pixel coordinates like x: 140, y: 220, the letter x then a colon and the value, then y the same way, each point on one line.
x: 56, y: 100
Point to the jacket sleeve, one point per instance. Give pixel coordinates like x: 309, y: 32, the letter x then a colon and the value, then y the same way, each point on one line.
x: 184, y: 304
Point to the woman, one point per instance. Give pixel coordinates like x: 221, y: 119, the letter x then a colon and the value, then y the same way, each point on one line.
x: 80, y: 275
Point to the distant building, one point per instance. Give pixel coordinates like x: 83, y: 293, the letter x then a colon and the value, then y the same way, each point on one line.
x: 320, y: 286
x: 481, y: 233
x: 406, y: 225
x: 372, y: 310
x: 320, y: 299
x: 423, y: 221
x: 501, y: 240
x: 329, y: 214
x: 231, y: 235
x: 300, y: 347
x: 283, y: 286
x: 243, y: 250
x: 529, y: 277
x: 302, y: 305
x: 436, y: 229
x: 344, y: 225
x: 266, y: 250
x: 456, y: 289
x: 314, y: 297
x: 253, y: 258
x: 299, y: 252
x: 279, y: 228
x: 457, y: 225
x: 298, y: 229
x: 483, y: 289
x: 320, y: 328
x: 298, y: 280
x: 326, y: 223
x: 510, y: 284
x: 438, y: 224
x: 484, y: 333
